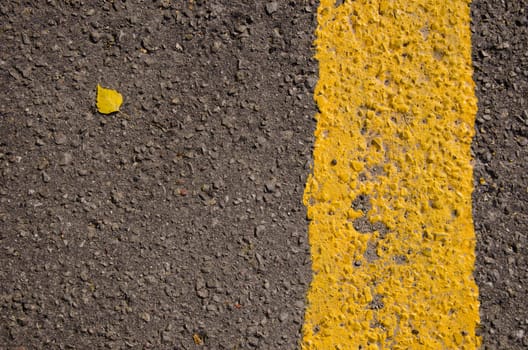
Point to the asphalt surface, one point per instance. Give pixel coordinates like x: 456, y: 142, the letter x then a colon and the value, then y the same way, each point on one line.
x: 178, y: 222
x: 500, y: 58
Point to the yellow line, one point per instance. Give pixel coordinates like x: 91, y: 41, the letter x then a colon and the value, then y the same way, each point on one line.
x: 389, y: 199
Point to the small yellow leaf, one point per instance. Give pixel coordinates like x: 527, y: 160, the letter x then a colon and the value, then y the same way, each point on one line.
x: 108, y: 100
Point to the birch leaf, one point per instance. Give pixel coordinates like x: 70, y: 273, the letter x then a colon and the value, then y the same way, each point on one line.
x: 108, y: 100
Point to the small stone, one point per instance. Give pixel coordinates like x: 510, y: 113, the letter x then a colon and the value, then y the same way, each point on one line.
x: 84, y: 275
x: 147, y: 44
x: 200, y: 284
x: 270, y: 187
x: 253, y: 341
x: 519, y: 334
x: 283, y: 316
x: 207, y: 267
x: 202, y: 293
x: 29, y: 307
x: 25, y: 39
x: 42, y: 164
x: 215, y: 47
x: 240, y: 28
x: 260, y: 260
x: 145, y: 316
x: 150, y: 279
x: 218, y: 184
x: 91, y: 232
x: 259, y: 230
x: 214, y: 284
x: 166, y: 337
x: 60, y: 139
x: 45, y: 177
x: 272, y: 7
x: 95, y: 36
x: 287, y: 134
x: 117, y: 196
x: 66, y: 158
x: 310, y: 82
x: 239, y: 76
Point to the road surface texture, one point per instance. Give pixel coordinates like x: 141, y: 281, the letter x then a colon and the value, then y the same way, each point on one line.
x: 178, y: 222
x: 500, y: 59
x: 389, y: 202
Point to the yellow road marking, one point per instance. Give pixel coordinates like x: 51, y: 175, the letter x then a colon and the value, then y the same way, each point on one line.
x: 389, y: 199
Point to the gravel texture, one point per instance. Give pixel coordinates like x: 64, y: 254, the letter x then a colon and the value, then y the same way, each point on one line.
x: 500, y: 199
x: 178, y: 223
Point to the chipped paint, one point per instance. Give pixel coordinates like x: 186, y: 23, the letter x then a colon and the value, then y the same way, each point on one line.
x: 389, y: 200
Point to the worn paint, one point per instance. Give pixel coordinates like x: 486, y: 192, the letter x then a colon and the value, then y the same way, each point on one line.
x: 389, y: 200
